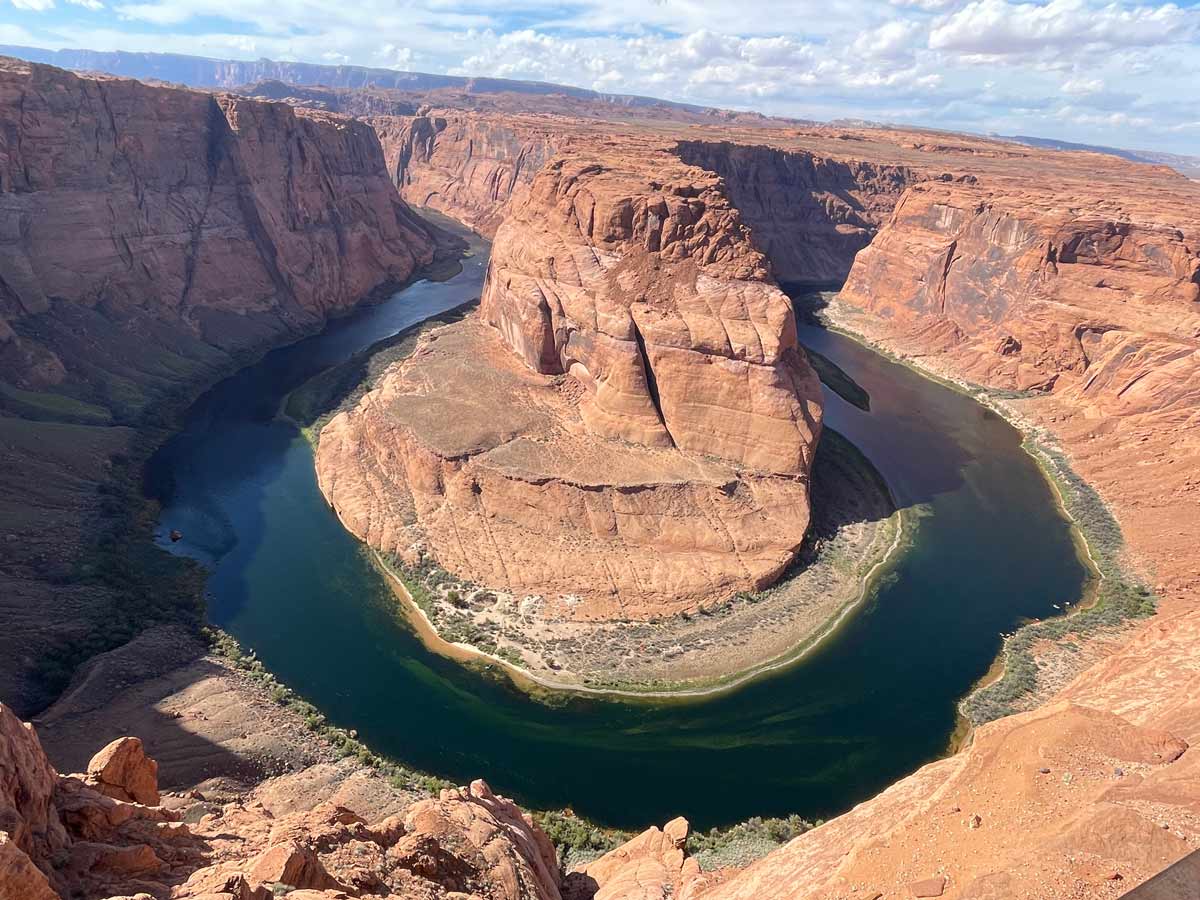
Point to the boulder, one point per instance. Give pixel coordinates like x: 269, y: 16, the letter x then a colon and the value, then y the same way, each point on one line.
x: 123, y: 771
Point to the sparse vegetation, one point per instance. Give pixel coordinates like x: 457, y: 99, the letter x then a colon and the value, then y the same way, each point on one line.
x: 344, y: 741
x: 576, y: 839
x: 741, y: 844
x: 137, y: 584
x: 1118, y: 596
x: 46, y: 406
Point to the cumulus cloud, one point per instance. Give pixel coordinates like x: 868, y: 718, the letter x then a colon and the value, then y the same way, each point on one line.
x: 996, y: 28
x: 1088, y: 70
x: 892, y: 40
x: 1080, y: 85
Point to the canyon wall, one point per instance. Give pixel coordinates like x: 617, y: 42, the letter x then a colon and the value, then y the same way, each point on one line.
x: 1073, y: 290
x: 1083, y: 296
x: 174, y: 227
x: 464, y: 165
x: 150, y: 239
x: 627, y: 427
x: 809, y: 214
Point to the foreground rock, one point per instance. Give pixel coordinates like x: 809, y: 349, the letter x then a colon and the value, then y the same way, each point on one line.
x: 61, y: 837
x: 627, y: 428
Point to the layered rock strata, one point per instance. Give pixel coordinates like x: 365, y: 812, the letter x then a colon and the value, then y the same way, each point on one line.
x: 464, y: 165
x: 627, y: 427
x: 150, y: 237
x: 178, y: 224
x: 810, y: 214
x: 1084, y: 299
x: 1076, y: 295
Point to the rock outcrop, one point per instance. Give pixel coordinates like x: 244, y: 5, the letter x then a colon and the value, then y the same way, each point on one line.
x: 652, y: 865
x: 60, y: 836
x: 123, y: 771
x: 627, y: 428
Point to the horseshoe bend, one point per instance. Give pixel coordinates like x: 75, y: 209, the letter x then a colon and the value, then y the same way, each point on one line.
x: 627, y: 425
x: 684, y: 432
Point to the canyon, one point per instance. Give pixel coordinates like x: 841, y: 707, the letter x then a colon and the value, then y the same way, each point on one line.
x: 154, y: 238
x: 627, y: 257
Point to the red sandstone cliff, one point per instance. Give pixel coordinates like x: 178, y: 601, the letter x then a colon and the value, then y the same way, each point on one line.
x: 465, y: 165
x: 633, y: 434
x: 151, y: 229
x: 808, y: 213
x: 150, y: 237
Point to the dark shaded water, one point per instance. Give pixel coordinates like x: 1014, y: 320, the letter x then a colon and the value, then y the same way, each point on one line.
x: 869, y: 706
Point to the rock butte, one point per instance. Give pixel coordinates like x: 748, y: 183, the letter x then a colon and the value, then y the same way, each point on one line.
x: 1074, y: 274
x: 627, y: 426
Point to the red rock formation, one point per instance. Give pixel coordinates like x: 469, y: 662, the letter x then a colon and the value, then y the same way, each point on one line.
x: 808, y: 214
x: 173, y: 227
x: 464, y: 165
x: 652, y: 865
x: 1080, y: 284
x: 150, y: 237
x: 60, y: 837
x: 635, y: 435
x: 124, y: 772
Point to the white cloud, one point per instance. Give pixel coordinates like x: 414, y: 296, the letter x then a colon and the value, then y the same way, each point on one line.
x: 34, y: 5
x: 1087, y: 70
x: 999, y: 28
x: 927, y: 5
x: 892, y: 40
x: 1082, y: 86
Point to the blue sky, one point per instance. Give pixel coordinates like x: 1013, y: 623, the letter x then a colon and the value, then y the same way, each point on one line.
x: 1125, y: 74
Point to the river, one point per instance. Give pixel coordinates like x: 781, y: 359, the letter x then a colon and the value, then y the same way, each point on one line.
x: 875, y: 701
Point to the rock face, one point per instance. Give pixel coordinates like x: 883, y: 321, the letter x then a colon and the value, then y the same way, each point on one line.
x: 180, y: 224
x: 1079, y: 287
x: 1083, y: 293
x: 465, y: 165
x: 809, y: 214
x: 628, y: 428
x: 652, y: 865
x: 151, y: 237
x: 61, y: 837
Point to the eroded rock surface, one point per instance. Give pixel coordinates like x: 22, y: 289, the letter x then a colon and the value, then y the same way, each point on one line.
x: 61, y: 837
x: 626, y: 428
x: 465, y: 165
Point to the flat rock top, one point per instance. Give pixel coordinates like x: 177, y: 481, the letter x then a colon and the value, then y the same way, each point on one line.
x: 519, y: 422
